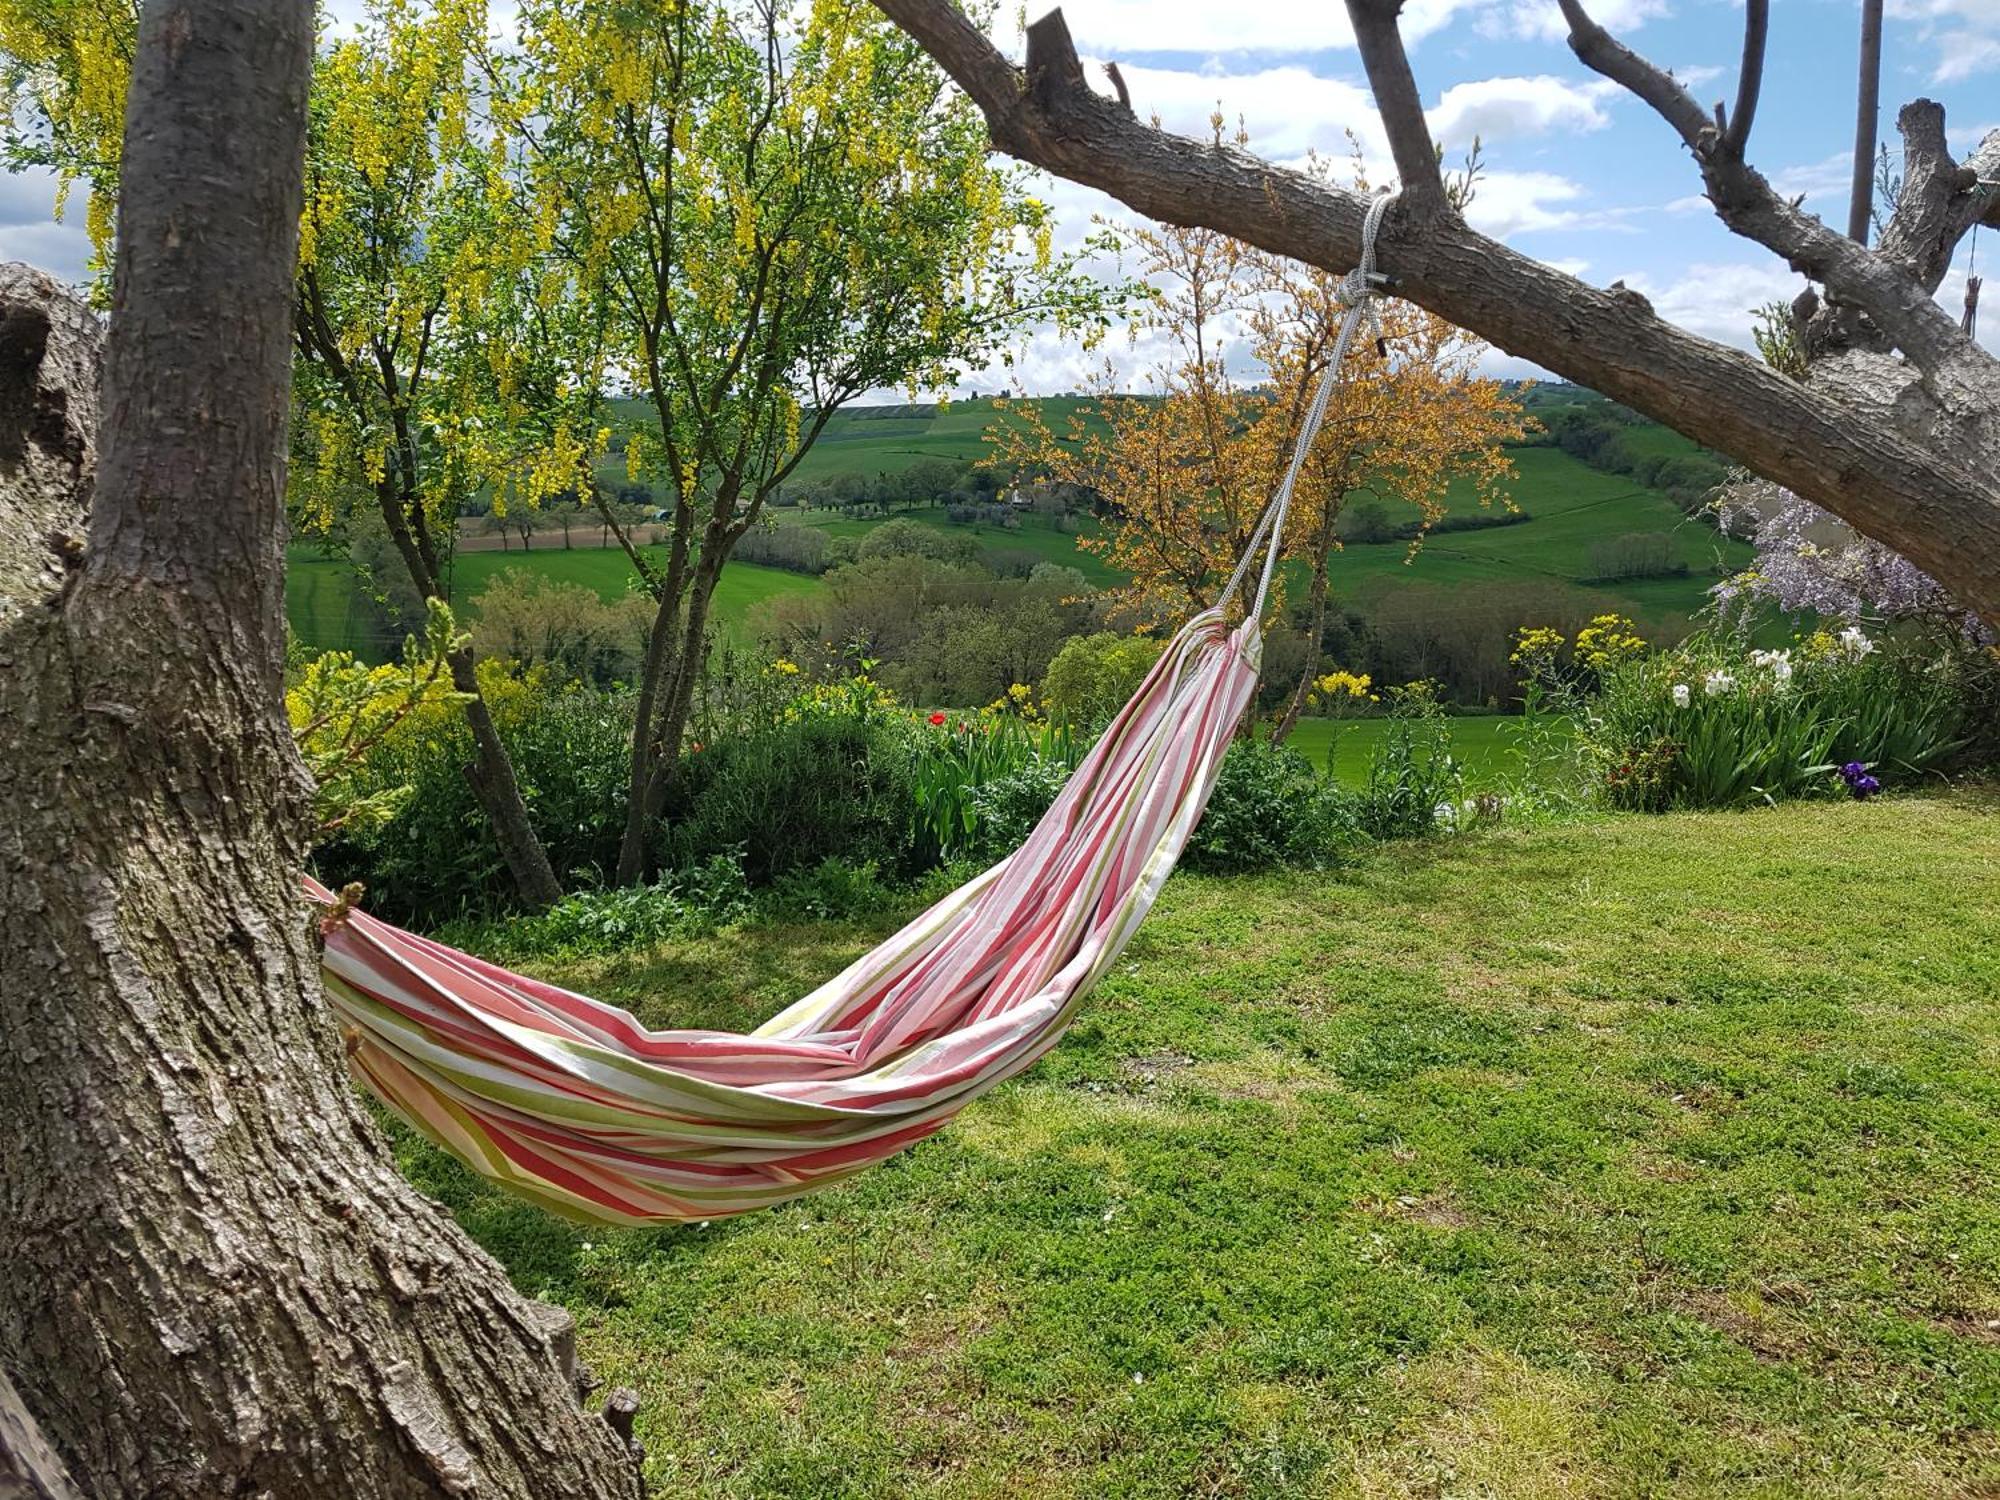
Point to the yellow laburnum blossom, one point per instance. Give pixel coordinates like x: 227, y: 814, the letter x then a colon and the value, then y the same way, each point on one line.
x: 1606, y: 641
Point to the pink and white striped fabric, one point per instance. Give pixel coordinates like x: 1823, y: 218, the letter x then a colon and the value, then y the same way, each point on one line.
x: 574, y: 1104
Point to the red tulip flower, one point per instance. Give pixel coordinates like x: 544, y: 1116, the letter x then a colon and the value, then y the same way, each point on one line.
x: 937, y: 718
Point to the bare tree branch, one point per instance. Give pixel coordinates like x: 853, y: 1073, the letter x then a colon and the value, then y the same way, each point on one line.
x: 1930, y: 497
x: 1399, y: 103
x: 1867, y: 108
x: 1900, y: 306
x: 1750, y: 77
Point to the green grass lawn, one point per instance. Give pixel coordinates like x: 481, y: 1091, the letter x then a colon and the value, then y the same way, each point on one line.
x: 1637, y: 1157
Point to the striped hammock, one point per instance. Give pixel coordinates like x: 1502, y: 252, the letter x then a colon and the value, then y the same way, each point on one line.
x: 573, y: 1104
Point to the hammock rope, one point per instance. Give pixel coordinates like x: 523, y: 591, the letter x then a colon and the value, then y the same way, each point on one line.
x: 575, y: 1105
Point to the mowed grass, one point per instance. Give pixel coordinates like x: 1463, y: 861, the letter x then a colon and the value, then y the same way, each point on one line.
x: 1638, y: 1157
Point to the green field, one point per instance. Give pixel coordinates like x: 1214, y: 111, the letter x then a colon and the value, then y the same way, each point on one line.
x: 1486, y: 746
x: 1570, y: 506
x: 1636, y: 1157
x: 323, y: 603
x: 875, y: 440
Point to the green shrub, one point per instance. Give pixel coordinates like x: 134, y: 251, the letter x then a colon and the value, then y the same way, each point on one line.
x: 831, y: 891
x: 1007, y: 807
x: 680, y: 905
x: 1092, y: 676
x: 437, y: 857
x: 1718, y: 724
x: 1271, y: 807
x: 792, y: 794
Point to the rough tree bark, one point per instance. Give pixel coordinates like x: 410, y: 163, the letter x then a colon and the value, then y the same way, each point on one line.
x: 216, y: 1284
x: 1896, y: 429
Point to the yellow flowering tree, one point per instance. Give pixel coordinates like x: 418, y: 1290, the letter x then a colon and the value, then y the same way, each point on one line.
x: 443, y: 352
x: 779, y: 208
x: 64, y: 67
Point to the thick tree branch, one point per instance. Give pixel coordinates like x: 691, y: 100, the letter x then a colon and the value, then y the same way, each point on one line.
x: 1867, y: 107
x: 1398, y: 102
x: 1928, y: 500
x: 1941, y: 199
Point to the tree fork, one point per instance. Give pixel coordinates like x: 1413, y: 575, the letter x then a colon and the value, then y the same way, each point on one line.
x: 216, y: 1281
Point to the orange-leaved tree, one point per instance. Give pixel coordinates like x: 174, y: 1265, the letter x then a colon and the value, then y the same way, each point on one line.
x: 1184, y: 467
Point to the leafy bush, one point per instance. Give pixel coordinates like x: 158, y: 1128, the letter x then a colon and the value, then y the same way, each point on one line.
x: 437, y: 856
x: 1715, y: 723
x: 797, y: 549
x: 831, y: 891
x: 1271, y: 807
x: 792, y: 794
x: 536, y: 620
x: 604, y: 921
x: 1092, y: 676
x: 1007, y: 807
x: 1637, y: 554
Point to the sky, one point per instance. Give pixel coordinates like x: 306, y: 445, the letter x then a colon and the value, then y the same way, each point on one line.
x: 1578, y: 173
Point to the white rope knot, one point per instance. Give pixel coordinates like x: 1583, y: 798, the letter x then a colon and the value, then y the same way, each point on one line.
x: 1364, y: 286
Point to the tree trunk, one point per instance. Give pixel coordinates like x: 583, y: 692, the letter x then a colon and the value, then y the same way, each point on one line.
x: 493, y: 783
x: 664, y: 703
x: 29, y: 1468
x: 491, y: 773
x: 216, y: 1284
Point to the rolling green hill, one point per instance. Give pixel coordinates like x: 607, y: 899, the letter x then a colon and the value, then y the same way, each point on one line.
x: 1571, y: 508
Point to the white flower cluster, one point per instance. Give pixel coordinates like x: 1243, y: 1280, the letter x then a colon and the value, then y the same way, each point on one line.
x: 1777, y: 663
x: 1853, y: 643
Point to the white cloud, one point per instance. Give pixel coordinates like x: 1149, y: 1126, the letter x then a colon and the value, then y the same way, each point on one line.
x: 1125, y: 26
x: 1288, y: 111
x: 1830, y: 177
x: 1963, y: 34
x: 1716, y: 300
x: 1509, y: 203
x: 28, y: 227
x: 1542, y: 20
x: 1498, y: 108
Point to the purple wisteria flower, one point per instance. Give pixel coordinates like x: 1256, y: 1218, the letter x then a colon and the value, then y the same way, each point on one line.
x: 1808, y: 560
